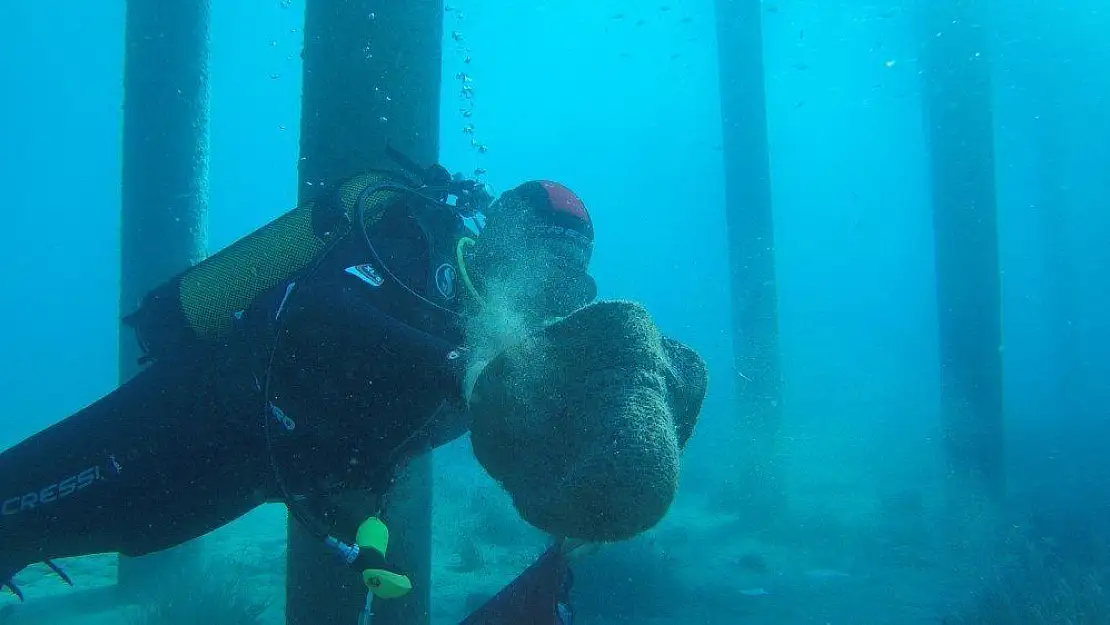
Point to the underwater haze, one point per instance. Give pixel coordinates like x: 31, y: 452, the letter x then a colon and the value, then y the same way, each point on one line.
x: 621, y: 101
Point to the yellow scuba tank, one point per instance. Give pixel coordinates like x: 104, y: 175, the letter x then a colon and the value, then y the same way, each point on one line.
x: 199, y: 304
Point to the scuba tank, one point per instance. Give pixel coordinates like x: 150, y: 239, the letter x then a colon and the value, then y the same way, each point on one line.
x: 200, y: 304
x: 204, y: 305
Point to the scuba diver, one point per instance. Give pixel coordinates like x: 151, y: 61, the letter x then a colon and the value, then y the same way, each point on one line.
x: 311, y: 358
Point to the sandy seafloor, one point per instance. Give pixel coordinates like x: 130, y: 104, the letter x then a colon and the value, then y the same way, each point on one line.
x: 697, y: 566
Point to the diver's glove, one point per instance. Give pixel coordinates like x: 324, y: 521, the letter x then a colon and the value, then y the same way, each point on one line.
x: 7, y: 580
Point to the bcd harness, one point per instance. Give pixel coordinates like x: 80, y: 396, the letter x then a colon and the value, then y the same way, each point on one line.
x: 208, y: 303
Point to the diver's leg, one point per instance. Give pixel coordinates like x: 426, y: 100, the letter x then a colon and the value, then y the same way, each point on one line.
x: 165, y: 458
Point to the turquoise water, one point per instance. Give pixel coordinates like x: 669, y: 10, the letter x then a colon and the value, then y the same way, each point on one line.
x: 621, y: 101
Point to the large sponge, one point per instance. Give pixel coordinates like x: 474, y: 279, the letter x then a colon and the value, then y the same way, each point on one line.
x: 583, y: 422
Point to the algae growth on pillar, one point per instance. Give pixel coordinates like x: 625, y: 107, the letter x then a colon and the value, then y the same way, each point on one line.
x: 751, y: 242
x: 371, y: 78
x: 164, y: 221
x: 959, y: 126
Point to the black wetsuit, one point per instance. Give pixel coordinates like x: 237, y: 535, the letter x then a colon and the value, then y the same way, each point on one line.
x: 355, y: 368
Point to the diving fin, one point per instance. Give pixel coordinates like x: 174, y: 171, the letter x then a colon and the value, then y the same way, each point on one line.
x: 7, y: 580
x: 532, y: 598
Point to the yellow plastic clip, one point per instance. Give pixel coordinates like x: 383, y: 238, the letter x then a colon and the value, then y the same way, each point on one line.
x: 386, y: 584
x: 372, y: 539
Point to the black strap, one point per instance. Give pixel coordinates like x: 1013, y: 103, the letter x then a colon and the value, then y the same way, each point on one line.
x: 434, y: 176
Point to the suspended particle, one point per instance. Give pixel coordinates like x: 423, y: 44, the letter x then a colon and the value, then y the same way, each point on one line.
x: 275, y: 76
x: 383, y: 119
